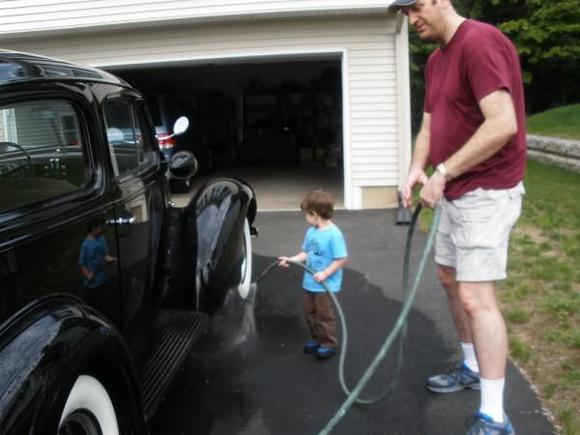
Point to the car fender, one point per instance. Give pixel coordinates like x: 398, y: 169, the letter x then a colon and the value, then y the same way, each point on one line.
x: 210, y: 242
x: 44, y: 347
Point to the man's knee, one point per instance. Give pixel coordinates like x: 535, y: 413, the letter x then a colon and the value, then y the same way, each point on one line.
x: 477, y: 297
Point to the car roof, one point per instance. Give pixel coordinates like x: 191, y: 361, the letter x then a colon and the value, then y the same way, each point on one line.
x: 17, y: 66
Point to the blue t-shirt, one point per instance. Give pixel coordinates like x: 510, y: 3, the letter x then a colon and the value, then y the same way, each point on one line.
x: 323, y: 246
x: 92, y: 257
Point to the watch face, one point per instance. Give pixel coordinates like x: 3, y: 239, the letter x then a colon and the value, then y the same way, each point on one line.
x: 442, y: 170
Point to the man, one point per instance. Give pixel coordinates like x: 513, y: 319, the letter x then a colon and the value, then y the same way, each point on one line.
x: 473, y: 133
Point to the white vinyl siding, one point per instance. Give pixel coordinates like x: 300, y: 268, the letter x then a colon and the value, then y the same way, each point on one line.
x: 33, y: 16
x: 365, y: 43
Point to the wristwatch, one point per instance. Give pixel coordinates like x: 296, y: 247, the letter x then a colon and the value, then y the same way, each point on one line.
x: 443, y: 171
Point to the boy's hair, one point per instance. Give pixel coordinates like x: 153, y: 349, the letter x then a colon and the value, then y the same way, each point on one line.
x: 319, y: 202
x: 95, y: 223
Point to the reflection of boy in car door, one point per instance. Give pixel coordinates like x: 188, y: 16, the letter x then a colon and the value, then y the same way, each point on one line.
x: 93, y: 260
x: 95, y: 256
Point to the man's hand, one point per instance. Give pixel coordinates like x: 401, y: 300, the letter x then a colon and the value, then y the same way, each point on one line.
x: 283, y: 262
x: 416, y: 176
x: 432, y: 191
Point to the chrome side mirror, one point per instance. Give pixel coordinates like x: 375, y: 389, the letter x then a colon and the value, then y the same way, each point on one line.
x: 183, y: 165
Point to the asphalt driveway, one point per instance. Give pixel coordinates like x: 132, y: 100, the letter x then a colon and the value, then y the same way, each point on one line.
x: 248, y: 375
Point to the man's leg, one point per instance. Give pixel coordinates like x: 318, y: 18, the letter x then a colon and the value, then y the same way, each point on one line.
x: 446, y: 277
x: 487, y: 327
x: 466, y: 375
x: 491, y: 345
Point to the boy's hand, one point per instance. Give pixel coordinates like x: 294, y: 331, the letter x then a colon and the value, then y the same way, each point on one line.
x: 283, y: 262
x: 320, y: 276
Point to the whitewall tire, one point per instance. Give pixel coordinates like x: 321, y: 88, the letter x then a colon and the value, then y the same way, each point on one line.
x: 89, y: 407
x: 246, y: 277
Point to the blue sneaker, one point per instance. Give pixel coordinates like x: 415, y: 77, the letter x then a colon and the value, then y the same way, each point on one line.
x: 460, y: 378
x: 484, y: 425
x: 324, y: 352
x: 311, y: 346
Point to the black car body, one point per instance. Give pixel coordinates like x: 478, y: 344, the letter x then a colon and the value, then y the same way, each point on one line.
x: 78, y: 150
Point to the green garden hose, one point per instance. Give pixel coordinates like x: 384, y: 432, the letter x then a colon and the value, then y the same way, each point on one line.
x: 399, y: 328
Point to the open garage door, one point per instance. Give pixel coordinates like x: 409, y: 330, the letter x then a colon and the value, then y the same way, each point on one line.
x: 276, y: 124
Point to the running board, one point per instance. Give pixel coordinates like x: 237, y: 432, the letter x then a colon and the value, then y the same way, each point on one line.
x: 175, y: 333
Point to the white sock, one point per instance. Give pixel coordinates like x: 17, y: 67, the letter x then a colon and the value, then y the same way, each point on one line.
x: 469, y: 357
x: 492, y: 398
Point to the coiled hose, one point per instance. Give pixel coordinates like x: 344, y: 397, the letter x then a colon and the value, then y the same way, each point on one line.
x: 400, y: 326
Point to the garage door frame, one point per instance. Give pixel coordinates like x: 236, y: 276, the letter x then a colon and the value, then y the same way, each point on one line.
x: 238, y: 58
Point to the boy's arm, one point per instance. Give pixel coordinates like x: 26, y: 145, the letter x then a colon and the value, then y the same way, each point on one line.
x: 85, y: 271
x: 333, y: 267
x: 87, y: 274
x: 299, y: 258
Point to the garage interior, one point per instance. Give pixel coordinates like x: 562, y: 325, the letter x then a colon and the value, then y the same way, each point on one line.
x: 276, y: 124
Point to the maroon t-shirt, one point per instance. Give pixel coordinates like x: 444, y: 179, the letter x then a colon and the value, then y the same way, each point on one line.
x: 478, y: 60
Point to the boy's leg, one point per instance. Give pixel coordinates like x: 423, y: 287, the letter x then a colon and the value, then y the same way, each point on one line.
x: 325, y: 320
x: 310, y: 313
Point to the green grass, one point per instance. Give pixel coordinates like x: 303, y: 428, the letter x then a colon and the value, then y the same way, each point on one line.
x: 520, y: 349
x: 541, y: 297
x: 560, y: 122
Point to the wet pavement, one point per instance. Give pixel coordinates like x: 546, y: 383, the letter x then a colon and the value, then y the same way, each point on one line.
x: 248, y: 375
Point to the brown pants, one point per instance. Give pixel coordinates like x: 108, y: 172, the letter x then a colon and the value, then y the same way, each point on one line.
x: 319, y: 313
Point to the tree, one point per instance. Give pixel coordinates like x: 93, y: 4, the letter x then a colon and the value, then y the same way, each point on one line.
x: 547, y: 36
x: 548, y: 40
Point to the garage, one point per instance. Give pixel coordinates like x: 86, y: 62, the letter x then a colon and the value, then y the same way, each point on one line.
x: 288, y: 94
x: 275, y: 122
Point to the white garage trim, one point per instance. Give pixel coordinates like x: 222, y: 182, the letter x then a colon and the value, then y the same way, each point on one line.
x: 349, y: 200
x: 32, y: 18
x: 403, y: 98
x: 240, y: 57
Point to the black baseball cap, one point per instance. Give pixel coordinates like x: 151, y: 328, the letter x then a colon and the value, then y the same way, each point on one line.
x: 393, y: 7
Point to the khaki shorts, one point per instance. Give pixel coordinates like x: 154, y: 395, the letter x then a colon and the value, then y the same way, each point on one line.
x: 474, y: 231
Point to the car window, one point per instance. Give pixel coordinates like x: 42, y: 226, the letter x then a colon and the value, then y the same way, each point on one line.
x: 122, y: 136
x: 41, y: 152
x: 131, y: 147
x: 148, y: 155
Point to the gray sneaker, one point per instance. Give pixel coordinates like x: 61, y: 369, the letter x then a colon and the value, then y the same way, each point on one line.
x: 482, y: 424
x: 460, y: 378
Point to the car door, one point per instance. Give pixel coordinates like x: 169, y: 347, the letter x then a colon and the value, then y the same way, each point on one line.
x: 139, y: 209
x: 52, y: 189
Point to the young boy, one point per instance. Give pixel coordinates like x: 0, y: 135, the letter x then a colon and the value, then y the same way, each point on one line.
x: 95, y: 256
x: 323, y: 250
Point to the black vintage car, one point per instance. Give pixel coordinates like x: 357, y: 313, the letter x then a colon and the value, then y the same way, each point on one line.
x: 104, y: 285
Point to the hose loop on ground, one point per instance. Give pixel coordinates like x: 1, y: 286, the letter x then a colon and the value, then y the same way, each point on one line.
x: 400, y: 327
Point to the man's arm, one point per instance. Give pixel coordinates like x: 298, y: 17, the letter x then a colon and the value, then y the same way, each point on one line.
x: 499, y: 126
x: 419, y: 161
